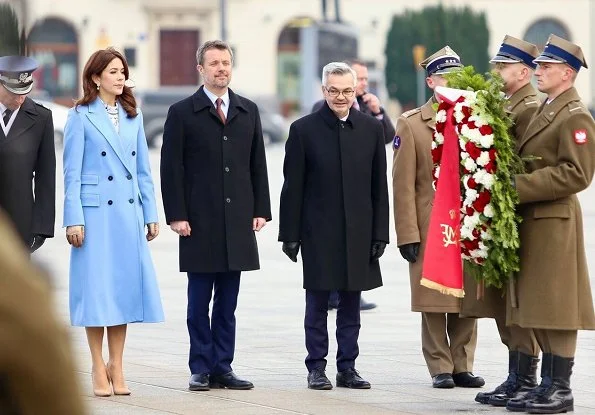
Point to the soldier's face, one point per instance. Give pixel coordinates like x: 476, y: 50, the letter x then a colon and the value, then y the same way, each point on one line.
x: 362, y: 79
x: 216, y: 69
x: 10, y: 100
x: 511, y: 73
x: 339, y: 93
x: 550, y: 76
x: 111, y: 80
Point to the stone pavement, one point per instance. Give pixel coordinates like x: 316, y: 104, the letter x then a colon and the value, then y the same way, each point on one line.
x: 270, y: 341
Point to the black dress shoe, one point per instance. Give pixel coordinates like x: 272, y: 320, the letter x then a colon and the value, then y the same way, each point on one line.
x: 317, y: 380
x: 350, y: 378
x: 443, y: 381
x: 229, y: 381
x: 363, y: 305
x: 468, y: 380
x: 199, y: 382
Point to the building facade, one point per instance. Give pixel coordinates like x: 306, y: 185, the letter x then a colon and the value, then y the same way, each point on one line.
x: 160, y: 38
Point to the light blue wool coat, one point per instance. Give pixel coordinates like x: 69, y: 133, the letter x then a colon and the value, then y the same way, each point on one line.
x: 108, y: 189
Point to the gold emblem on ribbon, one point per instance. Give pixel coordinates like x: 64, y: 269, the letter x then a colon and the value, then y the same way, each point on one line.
x: 450, y: 235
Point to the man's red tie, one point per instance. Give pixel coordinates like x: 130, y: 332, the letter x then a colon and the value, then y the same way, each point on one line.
x: 219, y: 110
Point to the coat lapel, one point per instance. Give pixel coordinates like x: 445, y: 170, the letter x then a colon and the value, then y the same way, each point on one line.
x: 235, y: 105
x: 24, y: 120
x: 98, y: 117
x: 546, y: 113
x: 127, y: 132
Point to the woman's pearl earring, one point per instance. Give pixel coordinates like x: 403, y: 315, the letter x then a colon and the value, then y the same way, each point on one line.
x: 98, y: 87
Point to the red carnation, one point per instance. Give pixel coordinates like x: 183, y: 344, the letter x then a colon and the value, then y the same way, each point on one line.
x: 471, y: 125
x: 473, y: 150
x: 492, y: 153
x: 485, y: 130
x: 469, y: 211
x: 437, y: 154
x: 491, y: 167
x: 476, y: 233
x: 466, y: 111
x: 471, y: 183
x: 440, y: 127
x: 482, y: 200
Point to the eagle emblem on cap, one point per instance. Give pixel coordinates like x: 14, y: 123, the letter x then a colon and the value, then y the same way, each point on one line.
x: 448, y: 50
x: 23, y: 77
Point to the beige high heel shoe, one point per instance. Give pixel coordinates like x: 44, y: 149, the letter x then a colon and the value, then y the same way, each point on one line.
x: 100, y: 391
x: 118, y: 390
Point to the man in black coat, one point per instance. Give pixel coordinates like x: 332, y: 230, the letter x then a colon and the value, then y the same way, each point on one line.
x: 367, y: 103
x: 334, y: 206
x: 26, y: 154
x: 216, y: 195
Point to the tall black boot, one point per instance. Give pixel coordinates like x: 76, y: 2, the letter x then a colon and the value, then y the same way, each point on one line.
x: 521, y: 378
x: 513, y: 362
x: 518, y: 402
x: 557, y: 398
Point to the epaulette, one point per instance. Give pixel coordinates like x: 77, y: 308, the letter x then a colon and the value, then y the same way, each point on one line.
x: 409, y: 113
x: 41, y: 105
x: 576, y: 106
x: 531, y: 100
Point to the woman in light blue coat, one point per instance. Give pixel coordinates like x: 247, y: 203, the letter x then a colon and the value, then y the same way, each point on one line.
x: 108, y: 201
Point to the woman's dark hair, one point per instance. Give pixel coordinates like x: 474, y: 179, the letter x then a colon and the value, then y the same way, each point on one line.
x: 95, y: 66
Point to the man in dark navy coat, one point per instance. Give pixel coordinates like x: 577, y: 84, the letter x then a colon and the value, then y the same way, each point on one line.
x: 27, y: 158
x: 216, y: 195
x: 334, y: 206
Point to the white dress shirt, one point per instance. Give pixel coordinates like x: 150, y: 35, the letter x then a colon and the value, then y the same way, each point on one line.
x: 224, y: 98
x: 6, y: 128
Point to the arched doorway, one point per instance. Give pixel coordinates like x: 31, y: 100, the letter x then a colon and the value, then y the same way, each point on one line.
x: 53, y: 43
x: 540, y: 30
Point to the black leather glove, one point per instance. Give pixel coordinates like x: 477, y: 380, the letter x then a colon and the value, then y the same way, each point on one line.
x: 36, y: 243
x: 291, y: 249
x: 377, y: 250
x: 410, y: 251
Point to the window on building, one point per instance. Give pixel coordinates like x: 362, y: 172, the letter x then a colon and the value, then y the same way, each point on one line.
x: 539, y: 31
x: 54, y: 44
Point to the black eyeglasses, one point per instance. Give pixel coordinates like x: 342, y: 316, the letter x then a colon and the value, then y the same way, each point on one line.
x: 347, y: 93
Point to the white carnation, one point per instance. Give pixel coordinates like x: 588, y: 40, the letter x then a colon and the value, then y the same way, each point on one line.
x: 486, y: 141
x: 467, y: 233
x: 488, y: 211
x: 483, y: 159
x: 441, y: 116
x: 470, y: 164
x: 470, y: 196
x: 438, y: 137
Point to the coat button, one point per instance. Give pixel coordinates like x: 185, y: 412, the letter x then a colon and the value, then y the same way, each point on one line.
x: 129, y: 177
x: 130, y: 200
x: 227, y: 169
x: 134, y: 153
x: 103, y: 153
x: 110, y: 178
x: 228, y: 200
x: 109, y: 202
x: 224, y: 138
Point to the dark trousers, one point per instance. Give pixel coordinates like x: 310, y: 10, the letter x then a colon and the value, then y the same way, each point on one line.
x: 212, y: 341
x: 348, y: 325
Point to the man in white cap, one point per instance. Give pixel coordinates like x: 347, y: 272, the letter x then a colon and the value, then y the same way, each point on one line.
x: 26, y: 154
x: 447, y: 340
x: 553, y: 287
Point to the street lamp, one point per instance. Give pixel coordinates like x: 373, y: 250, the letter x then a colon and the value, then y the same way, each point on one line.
x: 419, y: 54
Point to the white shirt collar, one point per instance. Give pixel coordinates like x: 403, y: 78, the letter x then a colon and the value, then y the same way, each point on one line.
x: 213, y: 98
x: 345, y: 117
x: 6, y: 128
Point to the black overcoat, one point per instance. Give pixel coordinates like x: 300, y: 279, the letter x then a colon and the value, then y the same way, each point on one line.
x: 215, y: 177
x: 28, y: 171
x: 334, y: 199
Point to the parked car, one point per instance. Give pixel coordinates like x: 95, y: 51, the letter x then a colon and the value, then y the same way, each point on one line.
x: 155, y: 103
x: 59, y: 116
